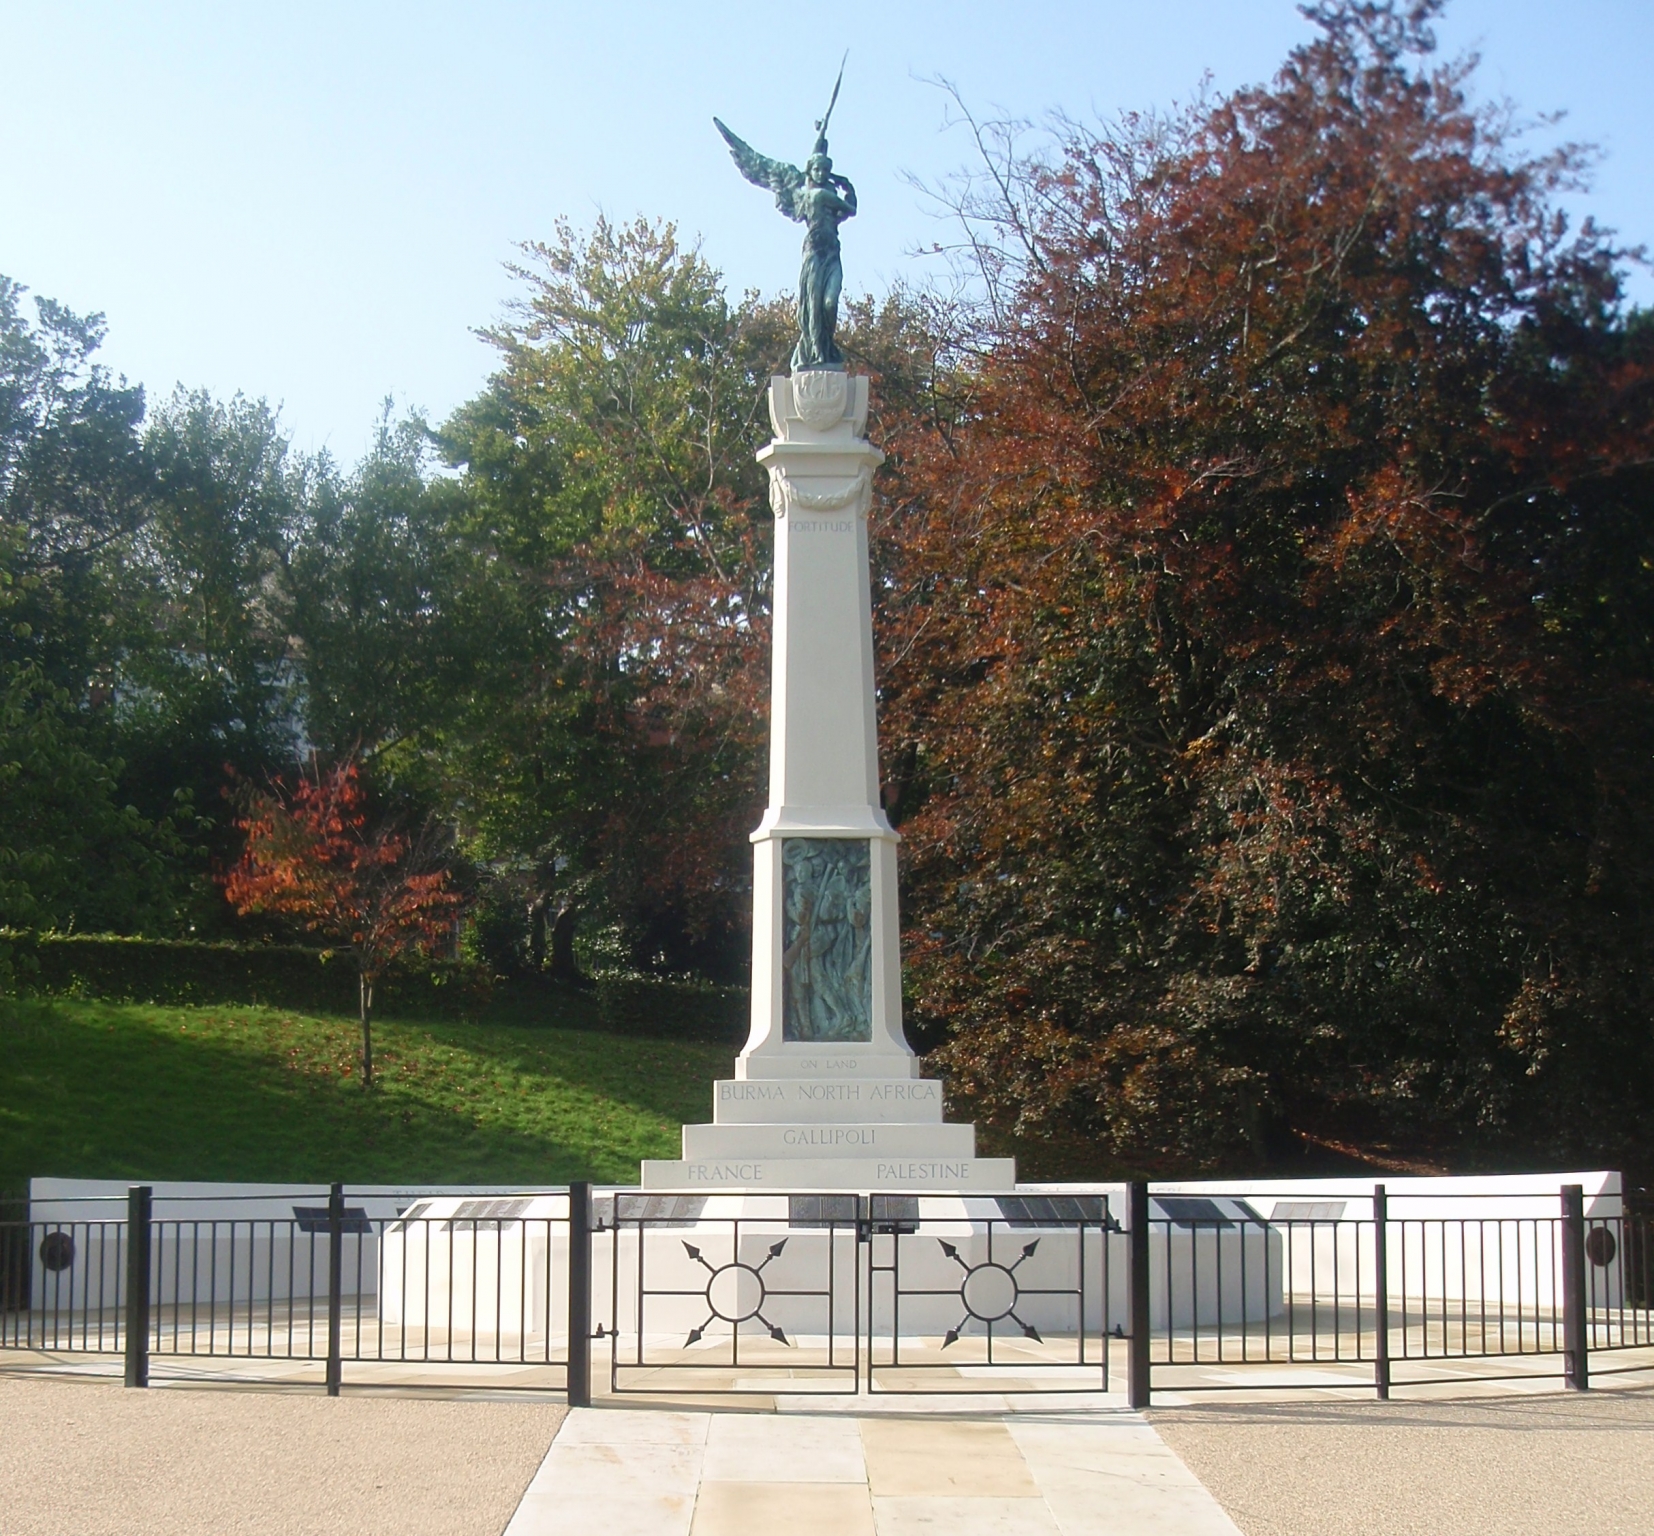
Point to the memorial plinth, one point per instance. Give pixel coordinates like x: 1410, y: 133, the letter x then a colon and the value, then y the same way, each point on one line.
x: 827, y: 1092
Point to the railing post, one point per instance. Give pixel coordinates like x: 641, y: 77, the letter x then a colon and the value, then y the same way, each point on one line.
x: 1381, y: 1292
x: 1137, y: 1294
x: 139, y: 1204
x: 1576, y: 1370
x: 580, y: 1295
x: 335, y: 1284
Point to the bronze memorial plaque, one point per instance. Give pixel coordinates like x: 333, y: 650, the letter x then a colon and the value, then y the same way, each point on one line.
x: 827, y: 946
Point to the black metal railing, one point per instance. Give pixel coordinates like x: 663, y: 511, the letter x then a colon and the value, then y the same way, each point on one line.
x: 1617, y: 1265
x: 1320, y: 1291
x: 477, y: 1281
x: 1185, y: 1290
x: 64, y: 1280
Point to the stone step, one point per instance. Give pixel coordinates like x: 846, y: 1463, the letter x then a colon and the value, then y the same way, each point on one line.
x: 853, y: 1140
x: 791, y: 1101
x: 787, y: 1175
x: 830, y: 1062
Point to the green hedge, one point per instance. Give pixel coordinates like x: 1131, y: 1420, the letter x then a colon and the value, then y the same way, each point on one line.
x: 188, y: 971
x: 172, y: 971
x: 678, y: 1010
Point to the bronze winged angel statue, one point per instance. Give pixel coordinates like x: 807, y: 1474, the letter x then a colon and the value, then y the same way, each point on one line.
x: 821, y: 201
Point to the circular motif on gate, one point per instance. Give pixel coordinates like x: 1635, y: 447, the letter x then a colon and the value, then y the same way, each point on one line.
x: 989, y: 1292
x: 1600, y: 1247
x: 57, y: 1251
x: 735, y: 1292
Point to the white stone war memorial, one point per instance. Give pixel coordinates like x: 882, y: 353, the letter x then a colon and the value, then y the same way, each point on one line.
x: 827, y: 1093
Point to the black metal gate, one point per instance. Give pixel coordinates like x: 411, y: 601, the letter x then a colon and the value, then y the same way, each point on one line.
x: 766, y: 1298
x: 841, y: 1293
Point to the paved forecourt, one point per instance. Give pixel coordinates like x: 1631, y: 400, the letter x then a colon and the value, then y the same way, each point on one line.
x: 911, y: 1468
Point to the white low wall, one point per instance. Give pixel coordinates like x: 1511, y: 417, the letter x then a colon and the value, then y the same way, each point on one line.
x: 1493, y: 1238
x: 212, y: 1243
x: 442, y: 1271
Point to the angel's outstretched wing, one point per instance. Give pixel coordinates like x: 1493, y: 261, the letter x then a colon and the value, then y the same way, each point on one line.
x: 782, y: 179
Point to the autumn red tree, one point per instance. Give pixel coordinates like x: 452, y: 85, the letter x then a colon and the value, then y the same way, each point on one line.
x: 1268, y: 636
x: 316, y: 855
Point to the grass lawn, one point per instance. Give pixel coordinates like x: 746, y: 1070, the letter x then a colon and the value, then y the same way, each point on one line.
x: 107, y: 1090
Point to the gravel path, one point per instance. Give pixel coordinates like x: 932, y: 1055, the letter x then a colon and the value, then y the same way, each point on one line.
x: 90, y: 1457
x: 1552, y: 1465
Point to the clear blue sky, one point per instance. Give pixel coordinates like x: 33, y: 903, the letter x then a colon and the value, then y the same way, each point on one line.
x: 311, y: 202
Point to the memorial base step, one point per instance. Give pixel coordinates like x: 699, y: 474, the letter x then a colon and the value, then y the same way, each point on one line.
x: 824, y: 1063
x: 792, y: 1101
x: 840, y: 1139
x: 980, y: 1174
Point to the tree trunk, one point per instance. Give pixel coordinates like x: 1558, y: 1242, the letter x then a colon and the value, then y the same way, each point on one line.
x: 564, y: 967
x: 537, y: 933
x: 365, y: 993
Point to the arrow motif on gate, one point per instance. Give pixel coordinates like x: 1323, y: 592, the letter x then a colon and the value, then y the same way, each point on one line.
x: 735, y: 1293
x: 989, y: 1292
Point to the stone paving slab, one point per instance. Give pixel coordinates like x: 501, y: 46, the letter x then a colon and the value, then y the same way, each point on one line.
x: 797, y: 1509
x: 944, y: 1458
x: 771, y: 1448
x: 627, y: 1471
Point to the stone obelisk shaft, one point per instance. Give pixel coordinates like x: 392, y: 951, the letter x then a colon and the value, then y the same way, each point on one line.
x: 824, y: 762
x: 827, y: 1092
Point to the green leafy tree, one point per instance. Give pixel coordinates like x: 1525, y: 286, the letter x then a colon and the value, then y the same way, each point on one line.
x: 616, y: 595
x: 72, y: 855
x: 74, y: 499
x: 74, y: 493
x: 227, y: 504
x: 375, y: 579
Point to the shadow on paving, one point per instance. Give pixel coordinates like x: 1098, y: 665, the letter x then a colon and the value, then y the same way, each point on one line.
x: 1617, y: 1408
